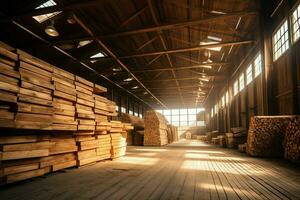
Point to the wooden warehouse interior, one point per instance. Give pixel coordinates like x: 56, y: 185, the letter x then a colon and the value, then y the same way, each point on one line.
x: 150, y: 99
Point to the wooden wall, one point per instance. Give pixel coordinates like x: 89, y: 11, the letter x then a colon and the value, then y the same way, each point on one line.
x: 276, y: 91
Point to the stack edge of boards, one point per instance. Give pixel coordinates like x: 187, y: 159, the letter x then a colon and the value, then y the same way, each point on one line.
x: 51, y: 119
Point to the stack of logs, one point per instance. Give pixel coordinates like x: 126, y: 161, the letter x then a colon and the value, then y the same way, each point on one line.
x: 266, y: 135
x: 292, y: 141
x: 51, y: 119
x: 155, y: 129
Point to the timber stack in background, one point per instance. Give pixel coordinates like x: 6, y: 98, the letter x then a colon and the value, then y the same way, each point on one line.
x: 155, y: 129
x: 51, y: 119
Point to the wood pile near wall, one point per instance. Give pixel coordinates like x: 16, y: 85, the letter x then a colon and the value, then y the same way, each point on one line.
x: 155, y: 129
x: 292, y: 141
x: 134, y: 137
x: 51, y: 119
x: 172, y: 133
x: 266, y: 135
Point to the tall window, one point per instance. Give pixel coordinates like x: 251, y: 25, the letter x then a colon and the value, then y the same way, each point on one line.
x: 296, y: 23
x: 281, y: 40
x: 227, y: 97
x: 242, y: 81
x: 257, y: 65
x: 249, y: 74
x: 223, y: 101
x: 44, y: 17
x: 212, y: 112
x: 235, y: 87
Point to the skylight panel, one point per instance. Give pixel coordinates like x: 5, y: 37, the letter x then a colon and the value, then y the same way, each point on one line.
x: 83, y: 43
x: 98, y: 55
x: 44, y: 17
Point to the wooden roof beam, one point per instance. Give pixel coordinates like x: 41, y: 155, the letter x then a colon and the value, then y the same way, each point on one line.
x: 195, y: 48
x: 170, y: 26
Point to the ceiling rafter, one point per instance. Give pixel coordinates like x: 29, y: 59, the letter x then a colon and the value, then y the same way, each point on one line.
x: 110, y: 53
x: 170, y: 26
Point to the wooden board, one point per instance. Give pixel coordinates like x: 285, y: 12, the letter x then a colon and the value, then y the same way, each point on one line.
x: 24, y: 175
x: 27, y: 146
x: 12, y: 155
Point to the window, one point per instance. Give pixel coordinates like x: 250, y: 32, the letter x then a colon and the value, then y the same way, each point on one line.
x: 249, y: 74
x: 236, y: 87
x: 223, y: 101
x: 44, y: 17
x: 136, y: 114
x: 140, y: 115
x: 212, y: 112
x: 98, y: 55
x: 296, y: 23
x: 216, y: 109
x: 117, y: 108
x: 257, y: 65
x: 130, y: 112
x: 281, y: 40
x: 242, y: 81
x: 227, y: 97
x: 123, y: 109
x: 182, y: 117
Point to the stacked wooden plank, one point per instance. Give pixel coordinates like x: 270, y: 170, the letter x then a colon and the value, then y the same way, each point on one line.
x: 118, y: 145
x: 35, y: 109
x: 85, y: 104
x: 9, y: 86
x: 104, y: 148
x: 64, y: 98
x: 292, y: 141
x: 266, y: 134
x: 19, y: 157
x: 138, y: 124
x: 87, y: 150
x: 242, y: 147
x: 104, y: 107
x: 155, y: 129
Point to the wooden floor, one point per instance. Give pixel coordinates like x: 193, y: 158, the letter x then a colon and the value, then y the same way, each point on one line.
x: 185, y: 170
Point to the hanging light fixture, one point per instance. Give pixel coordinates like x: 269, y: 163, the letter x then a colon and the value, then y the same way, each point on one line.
x: 51, y: 30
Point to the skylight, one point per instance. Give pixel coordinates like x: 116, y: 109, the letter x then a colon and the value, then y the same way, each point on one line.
x: 44, y: 17
x: 83, y: 43
x: 212, y: 40
x: 98, y: 55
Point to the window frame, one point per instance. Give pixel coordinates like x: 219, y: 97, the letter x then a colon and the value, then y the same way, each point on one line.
x: 285, y: 20
x: 295, y: 7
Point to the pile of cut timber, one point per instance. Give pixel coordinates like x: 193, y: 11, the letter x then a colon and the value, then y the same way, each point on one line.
x: 172, y: 133
x: 64, y: 98
x: 28, y: 156
x: 242, y: 147
x: 292, y: 141
x: 9, y: 87
x: 229, y: 140
x: 134, y: 138
x: 213, y: 134
x: 51, y: 119
x: 266, y: 135
x: 155, y: 129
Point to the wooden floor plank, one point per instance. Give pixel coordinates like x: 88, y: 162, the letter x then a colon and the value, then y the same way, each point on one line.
x: 188, y: 169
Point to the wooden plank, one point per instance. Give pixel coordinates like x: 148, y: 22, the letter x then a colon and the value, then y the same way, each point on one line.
x: 35, y: 100
x: 32, y: 93
x: 17, y: 139
x: 9, y: 87
x: 24, y: 175
x: 33, y: 117
x: 84, y: 88
x: 64, y: 73
x: 9, y: 79
x: 9, y: 71
x: 36, y: 109
x: 8, y: 62
x: 62, y: 119
x: 27, y: 146
x: 66, y: 89
x: 12, y: 155
x: 64, y: 165
x: 56, y: 159
x: 6, y: 114
x: 85, y: 96
x: 84, y: 81
x: 8, y: 54
x: 35, y: 69
x: 33, y: 60
x: 34, y: 87
x: 64, y: 95
x: 98, y: 89
x: 19, y: 168
x: 64, y: 127
x: 84, y: 102
x: 34, y: 125
x: 58, y: 79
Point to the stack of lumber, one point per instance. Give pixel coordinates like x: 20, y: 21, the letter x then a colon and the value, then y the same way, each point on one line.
x: 242, y: 147
x: 104, y: 107
x: 87, y: 150
x: 35, y: 108
x: 172, y: 133
x: 155, y: 129
x: 222, y: 140
x: 202, y: 138
x: 292, y: 141
x: 213, y: 134
x: 85, y: 104
x: 134, y: 138
x: 229, y: 140
x: 118, y: 145
x: 188, y: 135
x: 64, y: 98
x: 138, y: 138
x: 28, y: 156
x: 105, y: 146
x: 266, y: 135
x: 9, y: 86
